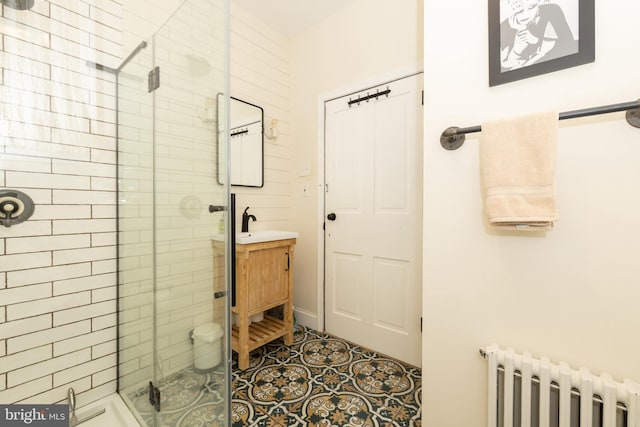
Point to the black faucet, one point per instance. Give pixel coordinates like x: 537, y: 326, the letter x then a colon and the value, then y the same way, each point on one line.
x: 245, y: 220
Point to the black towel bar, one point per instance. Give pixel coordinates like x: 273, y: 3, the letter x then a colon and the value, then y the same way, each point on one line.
x: 453, y: 137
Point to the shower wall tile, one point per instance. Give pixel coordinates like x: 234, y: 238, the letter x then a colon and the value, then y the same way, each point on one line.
x: 25, y: 164
x: 84, y: 369
x: 102, y: 267
x: 23, y: 391
x: 103, y: 184
x: 80, y: 255
x: 62, y: 212
x: 22, y: 294
x: 83, y: 312
x: 103, y: 211
x: 104, y: 294
x: 39, y: 148
x: 83, y: 341
x: 54, y: 304
x: 26, y: 132
x: 103, y: 156
x: 104, y: 239
x: 85, y: 225
x: 49, y: 336
x: 91, y: 169
x: 25, y: 326
x: 12, y: 362
x: 96, y: 281
x: 39, y: 39
x: 25, y: 261
x: 29, y: 228
x: 39, y: 180
x: 26, y: 65
x: 47, y: 367
x: 68, y: 137
x: 104, y: 376
x: 59, y: 394
x: 47, y: 274
x: 57, y: 270
x: 70, y: 197
x: 102, y: 349
x: 46, y: 243
x: 103, y: 322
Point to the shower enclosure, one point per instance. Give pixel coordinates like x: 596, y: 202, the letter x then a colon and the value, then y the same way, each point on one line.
x: 115, y: 277
x: 173, y: 345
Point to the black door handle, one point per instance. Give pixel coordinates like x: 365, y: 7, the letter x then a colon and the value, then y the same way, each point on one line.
x: 331, y: 217
x: 216, y: 208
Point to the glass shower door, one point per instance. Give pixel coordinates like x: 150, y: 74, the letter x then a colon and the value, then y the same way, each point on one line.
x: 174, y: 358
x: 189, y: 54
x: 136, y: 247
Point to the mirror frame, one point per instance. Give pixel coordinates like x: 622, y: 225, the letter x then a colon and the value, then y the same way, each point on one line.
x: 221, y: 125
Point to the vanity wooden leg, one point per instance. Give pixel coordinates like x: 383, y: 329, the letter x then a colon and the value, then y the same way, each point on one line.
x: 288, y: 321
x: 243, y: 341
x: 243, y: 360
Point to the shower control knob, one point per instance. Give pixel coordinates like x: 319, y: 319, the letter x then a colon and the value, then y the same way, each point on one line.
x: 15, y: 207
x: 331, y: 217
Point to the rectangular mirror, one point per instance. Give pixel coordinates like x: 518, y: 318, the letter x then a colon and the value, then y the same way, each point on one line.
x: 246, y: 144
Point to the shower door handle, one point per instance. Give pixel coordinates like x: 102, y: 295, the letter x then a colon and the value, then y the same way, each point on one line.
x: 217, y: 208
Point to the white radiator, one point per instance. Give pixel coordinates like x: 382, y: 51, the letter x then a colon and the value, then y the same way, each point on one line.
x: 528, y: 392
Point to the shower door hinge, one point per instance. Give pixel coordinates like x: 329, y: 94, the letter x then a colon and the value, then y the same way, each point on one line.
x: 154, y: 79
x: 154, y: 396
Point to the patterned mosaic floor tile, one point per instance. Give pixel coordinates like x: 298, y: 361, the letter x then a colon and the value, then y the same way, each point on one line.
x: 319, y: 381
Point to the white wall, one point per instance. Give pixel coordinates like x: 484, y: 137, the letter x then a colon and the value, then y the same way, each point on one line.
x: 571, y: 294
x: 362, y: 41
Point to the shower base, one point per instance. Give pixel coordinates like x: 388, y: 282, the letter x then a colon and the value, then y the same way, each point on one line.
x: 189, y: 398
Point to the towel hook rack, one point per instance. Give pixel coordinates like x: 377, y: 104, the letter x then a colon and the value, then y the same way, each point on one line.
x: 453, y: 137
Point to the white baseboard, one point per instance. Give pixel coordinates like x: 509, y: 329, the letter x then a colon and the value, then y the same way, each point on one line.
x: 305, y: 318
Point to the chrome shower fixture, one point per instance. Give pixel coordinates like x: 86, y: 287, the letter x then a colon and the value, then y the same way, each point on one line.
x: 18, y: 4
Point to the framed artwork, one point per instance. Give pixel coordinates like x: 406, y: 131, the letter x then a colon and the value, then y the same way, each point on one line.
x: 532, y: 37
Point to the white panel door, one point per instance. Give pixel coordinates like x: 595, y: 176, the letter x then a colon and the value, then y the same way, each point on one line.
x: 373, y: 219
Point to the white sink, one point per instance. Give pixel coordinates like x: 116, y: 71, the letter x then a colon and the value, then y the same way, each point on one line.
x: 264, y: 236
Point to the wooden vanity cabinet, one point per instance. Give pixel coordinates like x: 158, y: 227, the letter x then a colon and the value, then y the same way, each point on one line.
x: 264, y: 280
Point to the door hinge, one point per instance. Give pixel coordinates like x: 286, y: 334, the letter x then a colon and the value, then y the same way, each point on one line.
x: 154, y: 396
x: 422, y: 97
x: 154, y: 79
x: 421, y: 324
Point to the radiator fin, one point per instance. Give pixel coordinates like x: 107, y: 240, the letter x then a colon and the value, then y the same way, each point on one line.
x: 528, y: 392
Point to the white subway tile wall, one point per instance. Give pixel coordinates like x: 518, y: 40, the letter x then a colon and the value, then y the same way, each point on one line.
x: 185, y: 170
x: 261, y: 74
x: 57, y: 144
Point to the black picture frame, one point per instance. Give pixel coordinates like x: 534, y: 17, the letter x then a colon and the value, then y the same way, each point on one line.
x: 513, y: 57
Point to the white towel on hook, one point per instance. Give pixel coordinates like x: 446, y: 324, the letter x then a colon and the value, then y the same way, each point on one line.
x: 517, y: 163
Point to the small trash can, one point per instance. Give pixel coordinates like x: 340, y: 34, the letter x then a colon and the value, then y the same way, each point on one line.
x: 207, y: 351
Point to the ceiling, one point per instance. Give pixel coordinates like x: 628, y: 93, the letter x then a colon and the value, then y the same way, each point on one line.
x: 290, y: 17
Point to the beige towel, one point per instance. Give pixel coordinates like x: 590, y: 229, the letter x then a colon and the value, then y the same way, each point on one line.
x: 517, y: 163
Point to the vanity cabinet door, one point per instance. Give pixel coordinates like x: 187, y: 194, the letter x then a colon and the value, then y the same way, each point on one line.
x: 268, y: 278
